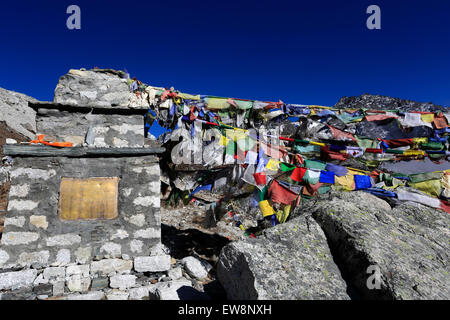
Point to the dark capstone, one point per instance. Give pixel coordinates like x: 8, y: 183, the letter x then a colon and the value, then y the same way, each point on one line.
x: 20, y: 294
x: 390, y: 130
x: 377, y: 102
x: 100, y: 283
x: 43, y: 289
x: 98, y: 234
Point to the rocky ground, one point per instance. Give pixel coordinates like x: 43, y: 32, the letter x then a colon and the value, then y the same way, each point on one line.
x: 324, y: 251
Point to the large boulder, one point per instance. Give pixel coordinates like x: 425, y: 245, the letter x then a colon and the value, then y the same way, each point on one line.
x: 408, y: 244
x: 16, y: 113
x: 101, y: 88
x: 378, y: 102
x: 289, y: 261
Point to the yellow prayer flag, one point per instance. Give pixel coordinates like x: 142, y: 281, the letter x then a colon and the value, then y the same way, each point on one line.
x: 266, y: 208
x: 427, y: 117
x: 273, y: 165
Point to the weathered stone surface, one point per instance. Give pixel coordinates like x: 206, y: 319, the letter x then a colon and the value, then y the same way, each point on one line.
x: 120, y: 234
x: 63, y: 240
x: 148, y: 233
x: 85, y: 240
x: 112, y: 250
x: 4, y: 257
x: 22, y: 205
x: 152, y: 264
x: 83, y: 255
x: 378, y: 102
x: 122, y: 281
x: 30, y: 173
x: 137, y: 219
x: 17, y: 279
x: 39, y: 222
x: 111, y: 266
x: 136, y: 246
x: 196, y: 268
x: 43, y: 289
x: 140, y: 293
x: 16, y: 112
x: 40, y: 280
x: 54, y: 273
x: 62, y: 258
x: 175, y: 273
x: 19, y: 191
x: 78, y: 269
x: 409, y: 244
x: 116, y: 294
x: 36, y: 259
x: 15, y: 221
x: 93, y: 295
x: 290, y: 261
x: 176, y: 290
x: 58, y: 288
x: 100, y: 130
x: 100, y: 283
x: 4, y: 174
x: 78, y: 283
x: 17, y: 238
x: 96, y: 88
x: 19, y: 294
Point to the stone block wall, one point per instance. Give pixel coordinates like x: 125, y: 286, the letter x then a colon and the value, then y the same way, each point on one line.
x: 34, y: 236
x: 98, y: 129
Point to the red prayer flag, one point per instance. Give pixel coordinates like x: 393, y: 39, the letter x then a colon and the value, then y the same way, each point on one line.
x: 260, y: 178
x: 297, y: 174
x: 279, y: 194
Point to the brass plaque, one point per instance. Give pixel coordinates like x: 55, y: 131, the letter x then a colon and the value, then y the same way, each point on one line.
x: 87, y: 199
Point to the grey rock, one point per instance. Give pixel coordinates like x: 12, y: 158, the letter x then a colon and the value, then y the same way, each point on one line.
x: 40, y: 280
x: 54, y: 273
x: 18, y: 238
x: 175, y: 273
x: 161, y: 290
x: 58, y: 288
x: 78, y: 283
x: 290, y: 261
x: 116, y: 294
x: 43, y: 289
x: 378, y: 102
x: 152, y: 264
x: 93, y: 295
x: 78, y: 269
x: 4, y: 257
x: 140, y: 293
x: 122, y: 281
x: 196, y: 268
x: 36, y: 259
x: 111, y: 266
x: 20, y: 294
x: 16, y: 112
x: 409, y: 244
x: 99, y: 283
x: 17, y: 279
x: 96, y: 88
x: 83, y: 254
x: 62, y: 258
x: 63, y: 240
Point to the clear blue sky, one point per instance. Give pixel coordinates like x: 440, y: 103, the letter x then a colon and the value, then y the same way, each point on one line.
x: 310, y: 52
